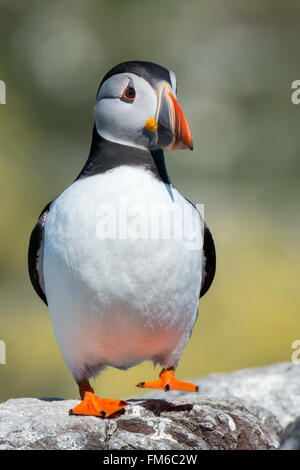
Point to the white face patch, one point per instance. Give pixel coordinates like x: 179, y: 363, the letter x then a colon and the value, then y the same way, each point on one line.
x: 120, y: 121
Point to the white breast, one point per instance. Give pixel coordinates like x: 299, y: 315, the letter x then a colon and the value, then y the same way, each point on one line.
x: 131, y: 296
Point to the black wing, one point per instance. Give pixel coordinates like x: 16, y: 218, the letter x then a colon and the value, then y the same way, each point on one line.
x: 35, y: 255
x: 209, y: 260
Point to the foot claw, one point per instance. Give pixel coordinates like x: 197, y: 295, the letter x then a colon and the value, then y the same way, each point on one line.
x: 140, y: 384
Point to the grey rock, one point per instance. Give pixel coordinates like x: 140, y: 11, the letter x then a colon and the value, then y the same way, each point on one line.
x: 204, y: 423
x: 247, y: 409
x: 291, y: 436
x: 272, y: 393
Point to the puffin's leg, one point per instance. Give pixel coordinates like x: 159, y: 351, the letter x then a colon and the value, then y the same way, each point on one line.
x: 91, y: 405
x: 167, y: 381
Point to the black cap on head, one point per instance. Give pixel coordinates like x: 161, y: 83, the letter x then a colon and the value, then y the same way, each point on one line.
x: 148, y: 70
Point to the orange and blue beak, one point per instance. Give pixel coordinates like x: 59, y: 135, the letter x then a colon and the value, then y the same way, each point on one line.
x: 173, y: 131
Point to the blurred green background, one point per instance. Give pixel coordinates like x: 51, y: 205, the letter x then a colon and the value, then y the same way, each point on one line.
x: 235, y: 62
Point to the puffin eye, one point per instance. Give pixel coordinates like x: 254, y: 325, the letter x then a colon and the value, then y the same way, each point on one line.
x: 128, y: 94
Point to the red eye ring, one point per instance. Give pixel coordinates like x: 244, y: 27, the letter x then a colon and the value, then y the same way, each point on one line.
x: 128, y: 94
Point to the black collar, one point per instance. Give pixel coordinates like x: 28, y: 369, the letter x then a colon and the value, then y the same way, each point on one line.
x: 105, y: 155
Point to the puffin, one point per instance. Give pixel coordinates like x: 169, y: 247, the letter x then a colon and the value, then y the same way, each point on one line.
x: 121, y: 258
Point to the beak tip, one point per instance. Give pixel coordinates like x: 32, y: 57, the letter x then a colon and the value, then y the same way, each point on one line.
x: 189, y: 144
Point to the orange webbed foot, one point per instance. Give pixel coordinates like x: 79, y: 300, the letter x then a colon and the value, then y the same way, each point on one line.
x: 92, y: 405
x: 167, y: 381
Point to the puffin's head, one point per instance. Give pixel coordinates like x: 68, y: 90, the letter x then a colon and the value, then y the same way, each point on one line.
x: 137, y: 106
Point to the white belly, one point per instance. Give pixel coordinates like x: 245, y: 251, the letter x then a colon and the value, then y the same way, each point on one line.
x: 122, y: 299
